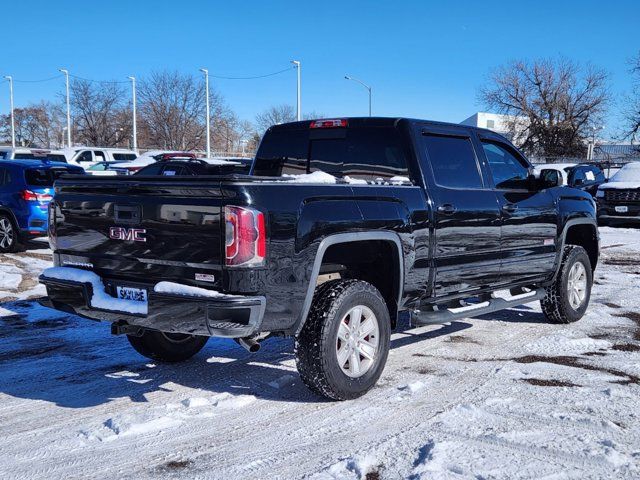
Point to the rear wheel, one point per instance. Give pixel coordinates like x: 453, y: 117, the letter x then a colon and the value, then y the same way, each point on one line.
x: 167, y: 347
x: 567, y: 298
x: 343, y: 346
x: 8, y: 235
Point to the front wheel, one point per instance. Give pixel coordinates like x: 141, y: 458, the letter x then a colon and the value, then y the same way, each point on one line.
x: 167, y: 347
x: 567, y: 299
x: 343, y: 346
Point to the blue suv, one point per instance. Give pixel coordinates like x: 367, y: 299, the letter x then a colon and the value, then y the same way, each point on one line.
x: 26, y: 188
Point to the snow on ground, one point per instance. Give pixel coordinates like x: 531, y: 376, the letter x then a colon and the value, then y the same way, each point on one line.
x: 503, y: 396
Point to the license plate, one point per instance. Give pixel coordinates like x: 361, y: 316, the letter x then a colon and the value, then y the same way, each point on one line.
x: 622, y: 209
x: 130, y: 293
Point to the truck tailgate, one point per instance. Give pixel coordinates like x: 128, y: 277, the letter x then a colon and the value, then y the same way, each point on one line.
x: 141, y: 231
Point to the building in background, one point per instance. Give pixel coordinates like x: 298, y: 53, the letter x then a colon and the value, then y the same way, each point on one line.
x: 491, y: 121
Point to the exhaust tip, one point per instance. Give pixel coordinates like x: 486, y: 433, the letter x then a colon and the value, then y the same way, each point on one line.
x: 248, y: 343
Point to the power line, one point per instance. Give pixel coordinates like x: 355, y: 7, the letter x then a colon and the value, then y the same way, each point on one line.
x: 97, y: 81
x: 38, y: 81
x: 253, y: 77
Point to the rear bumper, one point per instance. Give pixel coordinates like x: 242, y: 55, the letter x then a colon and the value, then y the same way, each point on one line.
x: 230, y: 316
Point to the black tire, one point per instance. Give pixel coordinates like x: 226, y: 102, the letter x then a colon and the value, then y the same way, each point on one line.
x: 167, y: 347
x: 9, y: 235
x: 317, y: 343
x: 556, y: 305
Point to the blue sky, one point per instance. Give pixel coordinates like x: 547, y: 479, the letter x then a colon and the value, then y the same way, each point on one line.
x: 423, y: 59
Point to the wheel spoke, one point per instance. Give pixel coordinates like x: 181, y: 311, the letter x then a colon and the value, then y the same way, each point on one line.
x: 354, y: 362
x: 343, y: 332
x: 343, y: 355
x: 355, y: 318
x: 368, y: 327
x: 367, y: 350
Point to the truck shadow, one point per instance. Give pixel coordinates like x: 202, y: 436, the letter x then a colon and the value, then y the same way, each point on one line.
x: 75, y: 363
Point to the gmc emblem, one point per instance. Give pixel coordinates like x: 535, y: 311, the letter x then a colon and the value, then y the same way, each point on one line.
x: 122, y: 233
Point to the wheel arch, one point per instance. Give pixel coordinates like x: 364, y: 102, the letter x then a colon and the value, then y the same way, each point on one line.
x: 392, y: 292
x: 582, y: 232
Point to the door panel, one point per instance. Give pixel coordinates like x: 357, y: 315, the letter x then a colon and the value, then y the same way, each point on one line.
x: 528, y: 234
x: 466, y: 214
x: 529, y: 218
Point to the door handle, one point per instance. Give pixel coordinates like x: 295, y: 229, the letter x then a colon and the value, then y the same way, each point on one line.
x: 510, y: 207
x: 446, y: 209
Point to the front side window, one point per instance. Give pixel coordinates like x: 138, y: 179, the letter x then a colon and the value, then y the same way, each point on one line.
x: 85, y: 157
x: 509, y: 170
x: 453, y: 161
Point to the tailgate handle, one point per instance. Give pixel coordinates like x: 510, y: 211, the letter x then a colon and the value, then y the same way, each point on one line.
x: 128, y: 214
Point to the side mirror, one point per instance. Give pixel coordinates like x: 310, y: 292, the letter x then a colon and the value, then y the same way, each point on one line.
x: 550, y: 178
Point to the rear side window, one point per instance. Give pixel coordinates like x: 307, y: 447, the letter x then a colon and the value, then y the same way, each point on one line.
x: 453, y: 161
x: 282, y: 153
x: 175, y: 170
x: 358, y: 152
x: 124, y: 157
x: 4, y: 177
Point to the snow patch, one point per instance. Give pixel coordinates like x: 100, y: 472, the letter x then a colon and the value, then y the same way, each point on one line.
x: 180, y: 289
x: 99, y: 299
x: 129, y: 425
x: 315, y: 177
x: 282, y: 381
x: 352, y: 468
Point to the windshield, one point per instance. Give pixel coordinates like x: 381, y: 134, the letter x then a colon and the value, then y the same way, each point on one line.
x: 629, y: 173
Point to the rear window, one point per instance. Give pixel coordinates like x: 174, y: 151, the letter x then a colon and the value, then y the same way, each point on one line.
x: 358, y: 152
x: 44, y: 177
x: 124, y: 157
x: 52, y: 157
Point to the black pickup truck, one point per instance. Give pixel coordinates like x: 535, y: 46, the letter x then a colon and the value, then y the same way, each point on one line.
x: 341, y: 226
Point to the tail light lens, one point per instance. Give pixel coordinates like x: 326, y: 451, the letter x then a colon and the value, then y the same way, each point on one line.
x: 245, y: 237
x: 29, y: 196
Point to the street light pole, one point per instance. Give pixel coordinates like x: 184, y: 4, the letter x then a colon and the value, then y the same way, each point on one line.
x: 13, y: 126
x: 364, y: 85
x: 133, y: 99
x: 206, y: 88
x: 66, y: 74
x: 297, y: 66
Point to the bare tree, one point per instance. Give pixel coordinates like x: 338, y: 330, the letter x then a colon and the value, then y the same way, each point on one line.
x: 172, y: 111
x: 553, y: 104
x: 631, y: 110
x: 36, y: 125
x: 98, y: 111
x: 274, y: 115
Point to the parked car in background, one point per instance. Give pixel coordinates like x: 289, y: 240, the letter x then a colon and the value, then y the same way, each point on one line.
x: 195, y: 166
x: 89, y: 156
x: 151, y: 157
x: 619, y: 199
x: 23, y: 153
x: 584, y: 176
x: 26, y: 188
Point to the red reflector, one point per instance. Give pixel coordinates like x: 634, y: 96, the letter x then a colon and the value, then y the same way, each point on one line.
x: 335, y: 123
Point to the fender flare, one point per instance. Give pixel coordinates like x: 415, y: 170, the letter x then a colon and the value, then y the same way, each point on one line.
x: 338, y: 238
x: 563, y: 238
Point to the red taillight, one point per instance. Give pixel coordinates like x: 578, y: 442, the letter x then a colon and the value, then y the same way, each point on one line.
x: 334, y: 123
x: 29, y: 196
x: 245, y: 237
